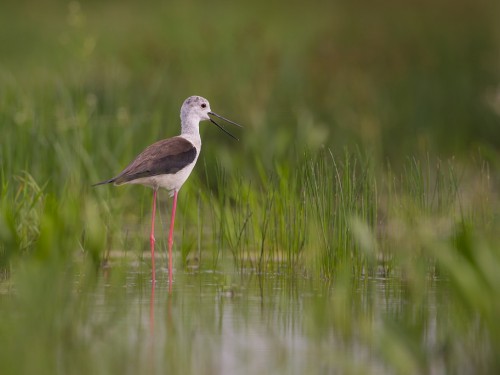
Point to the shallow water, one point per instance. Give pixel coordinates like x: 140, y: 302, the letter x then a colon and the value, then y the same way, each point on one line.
x: 209, y: 323
x: 232, y: 323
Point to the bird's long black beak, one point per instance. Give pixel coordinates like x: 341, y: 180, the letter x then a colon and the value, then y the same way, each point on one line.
x: 220, y: 127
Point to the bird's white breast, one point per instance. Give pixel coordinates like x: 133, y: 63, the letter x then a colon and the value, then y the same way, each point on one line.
x: 173, y: 181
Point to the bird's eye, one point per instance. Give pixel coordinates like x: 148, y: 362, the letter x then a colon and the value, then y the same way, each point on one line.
x: 203, y: 105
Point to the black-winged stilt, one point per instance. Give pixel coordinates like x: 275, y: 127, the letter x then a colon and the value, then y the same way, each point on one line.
x: 168, y: 163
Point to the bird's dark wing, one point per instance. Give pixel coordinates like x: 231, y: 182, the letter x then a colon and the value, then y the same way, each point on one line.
x: 167, y: 156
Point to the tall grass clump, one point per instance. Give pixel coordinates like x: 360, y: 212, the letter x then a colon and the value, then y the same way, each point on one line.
x: 21, y: 208
x: 339, y: 189
x: 296, y: 215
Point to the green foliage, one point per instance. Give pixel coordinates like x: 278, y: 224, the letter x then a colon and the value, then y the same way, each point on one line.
x: 21, y: 209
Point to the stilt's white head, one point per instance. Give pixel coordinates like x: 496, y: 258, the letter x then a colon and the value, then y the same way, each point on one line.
x: 196, y: 109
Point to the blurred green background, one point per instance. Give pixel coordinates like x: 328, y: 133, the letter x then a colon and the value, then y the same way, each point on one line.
x: 394, y: 78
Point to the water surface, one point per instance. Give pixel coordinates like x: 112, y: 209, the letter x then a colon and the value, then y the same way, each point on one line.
x: 116, y: 322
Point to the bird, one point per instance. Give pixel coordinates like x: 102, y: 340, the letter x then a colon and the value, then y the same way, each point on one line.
x: 168, y: 163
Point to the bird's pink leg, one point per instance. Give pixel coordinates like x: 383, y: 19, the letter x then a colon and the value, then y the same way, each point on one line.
x: 171, y: 241
x: 152, y: 238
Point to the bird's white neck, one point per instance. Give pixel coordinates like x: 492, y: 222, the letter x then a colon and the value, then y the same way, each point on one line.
x: 190, y: 125
x: 190, y: 129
